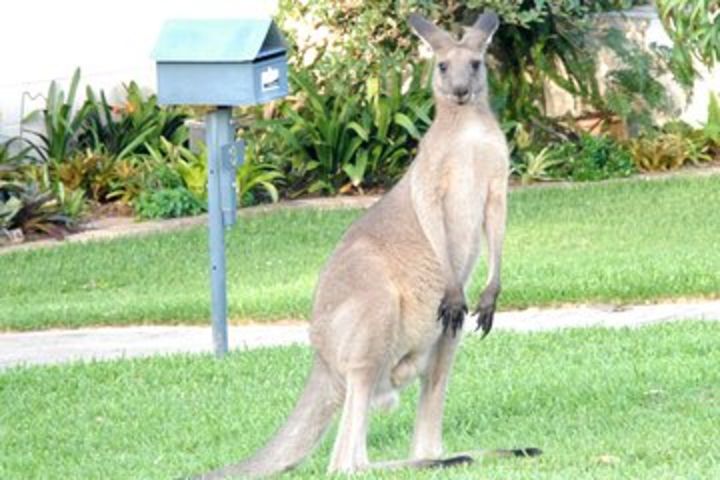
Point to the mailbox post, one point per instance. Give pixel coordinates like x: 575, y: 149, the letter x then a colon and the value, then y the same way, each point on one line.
x: 221, y: 63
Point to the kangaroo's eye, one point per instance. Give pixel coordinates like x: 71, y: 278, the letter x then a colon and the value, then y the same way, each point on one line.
x: 442, y: 66
x: 475, y: 64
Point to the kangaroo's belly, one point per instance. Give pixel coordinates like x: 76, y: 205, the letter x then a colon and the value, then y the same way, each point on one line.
x: 464, y: 215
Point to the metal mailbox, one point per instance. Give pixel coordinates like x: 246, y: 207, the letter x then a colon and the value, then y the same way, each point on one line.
x: 221, y: 62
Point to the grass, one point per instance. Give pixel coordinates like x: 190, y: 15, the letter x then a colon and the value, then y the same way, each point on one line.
x: 623, y: 403
x: 620, y: 242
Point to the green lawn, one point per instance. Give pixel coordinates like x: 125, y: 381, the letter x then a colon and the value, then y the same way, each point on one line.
x: 647, y: 399
x: 619, y: 242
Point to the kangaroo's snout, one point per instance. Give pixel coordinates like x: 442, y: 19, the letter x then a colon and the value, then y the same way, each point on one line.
x: 462, y: 94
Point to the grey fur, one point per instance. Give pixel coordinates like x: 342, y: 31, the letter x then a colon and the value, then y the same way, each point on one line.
x: 479, y: 36
x: 396, y: 280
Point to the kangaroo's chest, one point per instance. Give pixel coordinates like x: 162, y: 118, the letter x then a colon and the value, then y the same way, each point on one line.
x: 477, y: 154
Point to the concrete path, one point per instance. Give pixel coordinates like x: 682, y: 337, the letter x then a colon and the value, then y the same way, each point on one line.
x: 57, y: 346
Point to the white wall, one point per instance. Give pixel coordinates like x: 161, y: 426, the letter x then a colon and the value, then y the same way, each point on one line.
x: 111, y: 41
x: 707, y: 81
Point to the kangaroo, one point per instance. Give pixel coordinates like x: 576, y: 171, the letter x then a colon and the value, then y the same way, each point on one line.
x: 390, y: 302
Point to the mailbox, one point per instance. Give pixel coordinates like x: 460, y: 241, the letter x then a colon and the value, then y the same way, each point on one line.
x: 220, y: 62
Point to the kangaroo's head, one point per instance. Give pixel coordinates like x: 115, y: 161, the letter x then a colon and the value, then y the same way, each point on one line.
x: 460, y: 76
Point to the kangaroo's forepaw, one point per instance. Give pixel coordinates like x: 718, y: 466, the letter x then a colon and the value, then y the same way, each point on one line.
x: 485, y: 315
x: 452, y: 312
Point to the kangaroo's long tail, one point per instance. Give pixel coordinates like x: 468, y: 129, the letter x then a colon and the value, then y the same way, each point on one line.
x: 299, y: 435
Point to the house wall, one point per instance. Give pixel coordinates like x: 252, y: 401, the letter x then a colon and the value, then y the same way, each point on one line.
x: 110, y: 41
x: 643, y: 25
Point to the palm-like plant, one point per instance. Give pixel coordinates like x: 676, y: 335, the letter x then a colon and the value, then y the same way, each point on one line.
x: 127, y: 129
x: 61, y: 121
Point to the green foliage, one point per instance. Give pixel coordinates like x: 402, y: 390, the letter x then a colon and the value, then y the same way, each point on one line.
x: 632, y: 91
x: 560, y: 42
x: 336, y: 140
x: 164, y: 193
x: 112, y: 153
x: 396, y: 113
x: 127, y: 129
x: 102, y: 176
x: 73, y: 203
x: 168, y: 203
x: 175, y: 165
x: 257, y: 180
x: 13, y: 157
x: 26, y: 200
x: 347, y: 39
x: 33, y: 210
x: 537, y: 42
x: 592, y: 158
x: 317, y: 138
x: 536, y: 166
x: 711, y: 129
x: 695, y: 30
x: 61, y: 121
x: 673, y: 147
x: 587, y: 158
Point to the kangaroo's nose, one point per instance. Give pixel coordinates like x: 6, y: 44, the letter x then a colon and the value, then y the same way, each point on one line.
x: 461, y: 92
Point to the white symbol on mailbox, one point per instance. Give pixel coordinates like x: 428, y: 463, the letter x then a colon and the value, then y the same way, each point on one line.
x: 270, y: 79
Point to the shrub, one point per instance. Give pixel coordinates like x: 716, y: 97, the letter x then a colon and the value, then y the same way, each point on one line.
x: 255, y: 180
x: 397, y: 112
x: 168, y: 203
x: 313, y: 141
x: 27, y: 201
x: 711, y: 129
x: 132, y: 126
x: 537, y: 41
x: 593, y: 158
x: 338, y: 140
x: 165, y: 195
x: 62, y: 123
x: 669, y: 150
x: 27, y: 207
x: 536, y: 166
x: 102, y: 177
x: 695, y: 31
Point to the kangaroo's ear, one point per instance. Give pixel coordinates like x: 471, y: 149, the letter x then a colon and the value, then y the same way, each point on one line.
x: 434, y: 36
x: 479, y: 36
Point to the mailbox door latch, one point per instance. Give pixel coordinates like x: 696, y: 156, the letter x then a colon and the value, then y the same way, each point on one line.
x: 232, y: 156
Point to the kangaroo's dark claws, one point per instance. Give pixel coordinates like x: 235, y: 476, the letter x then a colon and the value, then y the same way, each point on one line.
x: 452, y: 315
x: 485, y: 319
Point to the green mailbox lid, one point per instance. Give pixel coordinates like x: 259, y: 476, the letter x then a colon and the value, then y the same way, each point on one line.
x: 218, y: 41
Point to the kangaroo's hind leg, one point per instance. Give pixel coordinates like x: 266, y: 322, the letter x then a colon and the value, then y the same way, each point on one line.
x: 427, y: 437
x: 364, y: 357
